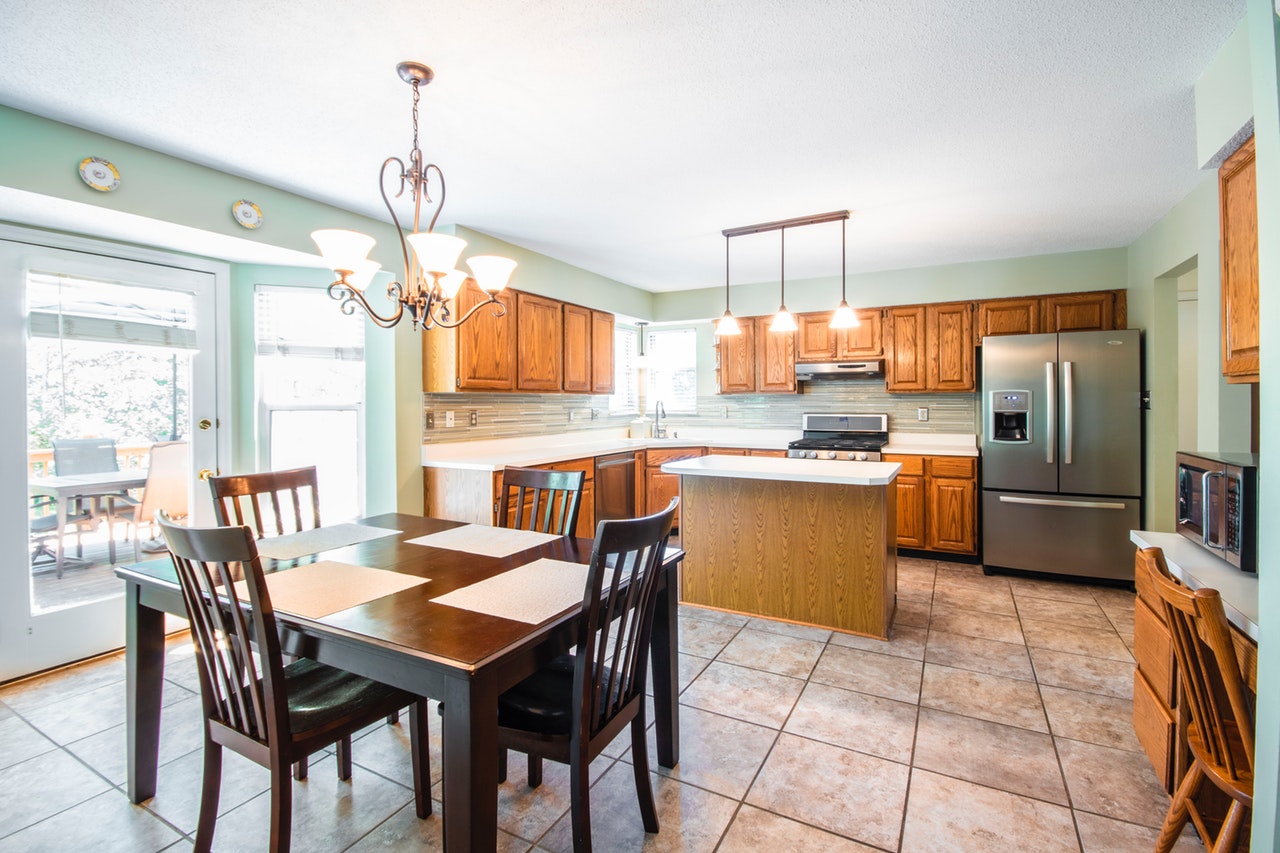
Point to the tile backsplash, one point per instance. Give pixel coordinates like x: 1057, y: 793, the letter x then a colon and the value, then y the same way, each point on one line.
x: 501, y: 415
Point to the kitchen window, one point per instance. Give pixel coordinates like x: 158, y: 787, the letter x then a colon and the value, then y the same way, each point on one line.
x: 310, y: 382
x: 625, y: 399
x: 672, y: 377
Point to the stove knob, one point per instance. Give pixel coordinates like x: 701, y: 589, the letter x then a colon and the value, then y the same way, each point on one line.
x: 862, y: 457
x: 812, y: 454
x: 831, y: 454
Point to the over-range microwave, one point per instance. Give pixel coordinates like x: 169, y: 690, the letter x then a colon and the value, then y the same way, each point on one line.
x: 1218, y: 504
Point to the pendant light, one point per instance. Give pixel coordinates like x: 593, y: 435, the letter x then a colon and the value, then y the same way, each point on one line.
x: 843, y: 318
x: 783, y: 321
x: 727, y: 325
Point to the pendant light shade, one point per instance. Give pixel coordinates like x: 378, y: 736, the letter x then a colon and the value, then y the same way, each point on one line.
x: 728, y: 324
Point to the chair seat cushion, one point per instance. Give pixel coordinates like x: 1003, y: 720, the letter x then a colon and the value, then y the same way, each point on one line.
x: 321, y: 697
x: 543, y: 702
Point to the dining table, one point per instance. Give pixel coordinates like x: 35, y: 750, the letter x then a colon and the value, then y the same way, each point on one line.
x: 462, y: 657
x: 71, y: 487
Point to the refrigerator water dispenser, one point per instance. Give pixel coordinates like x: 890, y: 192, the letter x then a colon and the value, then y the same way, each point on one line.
x: 1010, y: 417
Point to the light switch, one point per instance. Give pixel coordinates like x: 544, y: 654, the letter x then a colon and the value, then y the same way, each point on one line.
x: 448, y: 419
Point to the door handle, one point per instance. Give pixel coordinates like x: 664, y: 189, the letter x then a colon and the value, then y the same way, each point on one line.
x: 205, y: 423
x: 1009, y: 499
x: 1051, y: 397
x: 1068, y: 415
x: 205, y: 474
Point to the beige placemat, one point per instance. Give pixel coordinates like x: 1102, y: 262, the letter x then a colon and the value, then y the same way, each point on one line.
x: 294, y: 545
x: 318, y: 589
x: 532, y: 593
x: 481, y: 539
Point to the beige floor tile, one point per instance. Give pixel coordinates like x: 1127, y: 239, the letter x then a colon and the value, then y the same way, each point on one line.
x: 757, y: 697
x: 42, y: 786
x: 947, y: 815
x: 1103, y: 835
x: 987, y: 697
x: 790, y: 629
x: 1075, y: 639
x: 88, y: 713
x: 19, y: 741
x: 107, y: 823
x: 868, y: 672
x: 919, y: 582
x: 975, y: 623
x: 529, y: 812
x: 1115, y: 783
x: 718, y: 753
x: 913, y: 612
x: 780, y: 653
x: 689, y: 818
x: 705, y: 638
x: 990, y: 656
x: 849, y: 793
x: 870, y: 724
x: 711, y: 615
x: 1056, y: 590
x: 905, y: 641
x: 405, y: 831
x: 963, y: 576
x: 1006, y: 757
x: 1083, y: 672
x: 754, y: 830
x: 996, y: 601
x: 1070, y: 612
x: 1104, y: 720
x: 177, y: 798
x: 181, y: 732
x: 1111, y: 596
x: 917, y: 564
x: 62, y: 684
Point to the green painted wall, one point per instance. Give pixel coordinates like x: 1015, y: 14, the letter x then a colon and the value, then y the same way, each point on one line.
x: 1264, y: 46
x: 1224, y: 96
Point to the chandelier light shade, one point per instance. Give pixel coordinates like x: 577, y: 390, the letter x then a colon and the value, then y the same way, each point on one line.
x: 843, y: 318
x: 431, y: 277
x: 783, y: 321
x: 727, y: 325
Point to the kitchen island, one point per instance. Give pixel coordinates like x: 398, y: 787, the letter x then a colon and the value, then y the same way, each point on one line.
x: 809, y: 541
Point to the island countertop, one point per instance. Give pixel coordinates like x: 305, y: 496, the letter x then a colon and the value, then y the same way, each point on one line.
x: 792, y: 470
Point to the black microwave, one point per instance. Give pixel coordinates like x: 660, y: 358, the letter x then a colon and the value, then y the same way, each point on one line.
x: 1218, y: 504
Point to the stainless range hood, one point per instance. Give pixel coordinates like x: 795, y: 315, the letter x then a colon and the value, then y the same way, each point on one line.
x: 840, y: 370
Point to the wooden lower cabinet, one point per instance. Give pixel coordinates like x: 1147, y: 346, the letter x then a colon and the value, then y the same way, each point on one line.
x: 659, y: 486
x: 937, y: 503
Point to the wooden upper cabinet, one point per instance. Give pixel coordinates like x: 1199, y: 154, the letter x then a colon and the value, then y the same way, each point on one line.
x: 1238, y: 212
x: 735, y: 360
x: 1019, y: 316
x: 602, y: 323
x: 949, y: 345
x: 815, y: 339
x: 775, y: 359
x: 863, y: 341
x: 1079, y: 312
x: 539, y: 338
x: 904, y: 336
x: 486, y: 345
x: 577, y: 349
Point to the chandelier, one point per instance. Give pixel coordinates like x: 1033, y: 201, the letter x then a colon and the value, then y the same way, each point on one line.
x: 784, y: 321
x: 431, y: 280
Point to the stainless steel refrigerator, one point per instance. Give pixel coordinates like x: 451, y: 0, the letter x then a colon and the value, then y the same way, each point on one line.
x: 1062, y: 452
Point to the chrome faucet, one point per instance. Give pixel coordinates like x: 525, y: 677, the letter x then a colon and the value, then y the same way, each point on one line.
x: 659, y: 431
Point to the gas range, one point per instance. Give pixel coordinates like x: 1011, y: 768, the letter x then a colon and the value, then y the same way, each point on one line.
x: 853, y: 437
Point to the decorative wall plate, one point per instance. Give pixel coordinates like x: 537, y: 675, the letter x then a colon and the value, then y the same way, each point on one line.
x: 99, y: 174
x: 247, y: 214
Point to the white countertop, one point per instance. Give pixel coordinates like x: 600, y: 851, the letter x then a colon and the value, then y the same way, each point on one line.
x: 496, y: 454
x: 1197, y: 568
x: 793, y: 470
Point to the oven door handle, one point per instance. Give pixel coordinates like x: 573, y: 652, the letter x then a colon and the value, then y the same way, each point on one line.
x: 1206, y: 510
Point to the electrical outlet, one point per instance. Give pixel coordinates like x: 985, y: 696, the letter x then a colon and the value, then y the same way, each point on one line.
x: 475, y: 418
x: 571, y: 416
x: 448, y: 419
x: 726, y: 411
x: 595, y: 414
x: 431, y: 420
x: 922, y: 414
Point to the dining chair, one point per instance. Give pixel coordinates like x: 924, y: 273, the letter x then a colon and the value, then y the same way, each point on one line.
x: 85, y: 456
x: 573, y: 707
x: 551, y: 499
x: 168, y: 476
x: 273, y: 714
x: 1220, y: 729
x: 271, y: 501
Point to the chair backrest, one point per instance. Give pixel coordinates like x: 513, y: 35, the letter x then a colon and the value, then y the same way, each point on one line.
x: 1208, y: 668
x: 168, y: 476
x: 552, y: 499
x: 617, y: 616
x: 237, y: 652
x: 84, y: 456
x: 239, y: 499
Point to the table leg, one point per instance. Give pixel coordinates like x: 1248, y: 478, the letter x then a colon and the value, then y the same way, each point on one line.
x: 664, y: 648
x: 470, y: 744
x: 62, y: 529
x: 144, y: 683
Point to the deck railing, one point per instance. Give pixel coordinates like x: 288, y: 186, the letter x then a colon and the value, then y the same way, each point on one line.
x: 129, y: 457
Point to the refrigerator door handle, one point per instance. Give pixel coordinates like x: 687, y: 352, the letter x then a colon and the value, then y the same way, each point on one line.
x: 1051, y: 397
x: 1010, y: 499
x: 1068, y: 392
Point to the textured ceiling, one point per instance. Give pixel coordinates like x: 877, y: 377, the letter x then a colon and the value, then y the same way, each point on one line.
x: 622, y: 136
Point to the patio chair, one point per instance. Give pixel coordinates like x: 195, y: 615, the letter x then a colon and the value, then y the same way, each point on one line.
x: 44, y: 528
x: 168, y: 477
x: 85, y: 456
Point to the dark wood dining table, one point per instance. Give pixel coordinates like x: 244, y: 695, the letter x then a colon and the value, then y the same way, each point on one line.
x: 463, y: 658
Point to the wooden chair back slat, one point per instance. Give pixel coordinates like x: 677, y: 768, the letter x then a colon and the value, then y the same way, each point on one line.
x: 241, y: 499
x: 554, y: 499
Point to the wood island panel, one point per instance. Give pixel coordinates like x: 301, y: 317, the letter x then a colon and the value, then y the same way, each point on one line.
x: 816, y: 553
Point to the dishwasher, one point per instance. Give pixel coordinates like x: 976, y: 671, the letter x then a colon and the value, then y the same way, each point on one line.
x: 615, y: 486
